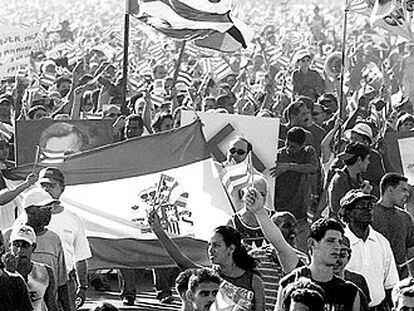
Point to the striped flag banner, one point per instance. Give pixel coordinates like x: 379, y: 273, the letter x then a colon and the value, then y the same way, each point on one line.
x: 185, y: 78
x: 221, y: 70
x: 371, y: 73
x: 194, y: 19
x: 157, y: 100
x: 49, y: 157
x: 47, y: 79
x: 319, y: 65
x: 6, y: 130
x: 156, y: 52
x: 125, y: 175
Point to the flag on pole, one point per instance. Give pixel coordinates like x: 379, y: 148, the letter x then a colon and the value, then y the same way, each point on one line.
x: 111, y: 189
x: 206, y: 21
x: 390, y: 15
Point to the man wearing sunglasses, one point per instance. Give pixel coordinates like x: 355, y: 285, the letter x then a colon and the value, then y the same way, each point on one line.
x: 372, y: 256
x: 238, y: 150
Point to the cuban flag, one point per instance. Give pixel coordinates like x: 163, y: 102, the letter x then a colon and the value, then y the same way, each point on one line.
x: 207, y: 22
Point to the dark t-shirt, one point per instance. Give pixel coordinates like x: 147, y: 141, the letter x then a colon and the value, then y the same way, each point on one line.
x: 339, y: 294
x: 398, y: 227
x: 359, y: 281
x: 14, y: 295
x: 374, y: 173
x: 292, y: 189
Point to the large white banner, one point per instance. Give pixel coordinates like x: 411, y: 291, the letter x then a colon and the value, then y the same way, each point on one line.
x: 16, y: 44
x: 219, y: 129
x: 407, y: 157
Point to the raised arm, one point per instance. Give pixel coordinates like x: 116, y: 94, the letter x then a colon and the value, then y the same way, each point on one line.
x: 286, y: 253
x: 175, y: 253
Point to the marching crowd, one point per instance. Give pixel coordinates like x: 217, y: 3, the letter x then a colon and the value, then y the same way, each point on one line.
x: 340, y: 232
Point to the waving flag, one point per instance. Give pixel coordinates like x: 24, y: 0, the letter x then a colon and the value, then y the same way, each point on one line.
x: 206, y: 21
x: 112, y: 189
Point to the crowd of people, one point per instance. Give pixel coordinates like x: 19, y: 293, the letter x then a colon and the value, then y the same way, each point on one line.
x: 339, y: 234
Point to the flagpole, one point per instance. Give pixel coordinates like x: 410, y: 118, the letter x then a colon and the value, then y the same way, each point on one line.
x: 180, y: 58
x: 341, y: 76
x: 342, y: 73
x: 124, y: 84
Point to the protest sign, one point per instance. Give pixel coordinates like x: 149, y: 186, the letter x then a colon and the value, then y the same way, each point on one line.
x: 220, y: 129
x: 407, y: 156
x: 70, y: 136
x: 16, y: 44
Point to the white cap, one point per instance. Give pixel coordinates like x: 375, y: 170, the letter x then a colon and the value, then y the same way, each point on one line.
x: 23, y: 233
x: 37, y: 197
x: 362, y: 129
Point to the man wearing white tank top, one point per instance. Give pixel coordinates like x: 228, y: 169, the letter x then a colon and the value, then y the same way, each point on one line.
x: 39, y: 277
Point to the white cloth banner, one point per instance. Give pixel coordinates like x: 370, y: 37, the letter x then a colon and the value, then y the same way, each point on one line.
x: 16, y: 44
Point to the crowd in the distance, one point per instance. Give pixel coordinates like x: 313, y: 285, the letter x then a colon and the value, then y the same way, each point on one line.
x: 340, y: 233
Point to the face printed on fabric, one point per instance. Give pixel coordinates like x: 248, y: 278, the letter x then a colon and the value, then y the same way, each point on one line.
x: 204, y: 296
x: 328, y: 248
x: 237, y: 151
x: 70, y: 143
x: 218, y: 252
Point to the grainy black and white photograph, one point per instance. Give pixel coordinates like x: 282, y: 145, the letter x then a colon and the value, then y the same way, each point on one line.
x: 206, y: 155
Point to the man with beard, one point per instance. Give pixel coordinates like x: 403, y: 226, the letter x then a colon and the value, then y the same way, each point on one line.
x: 391, y: 220
x: 39, y: 277
x: 372, y: 256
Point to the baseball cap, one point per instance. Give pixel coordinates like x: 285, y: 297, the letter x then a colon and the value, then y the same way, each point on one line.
x: 49, y: 173
x: 362, y: 129
x: 301, y: 54
x: 37, y: 197
x: 353, y: 195
x: 23, y: 233
x: 351, y: 150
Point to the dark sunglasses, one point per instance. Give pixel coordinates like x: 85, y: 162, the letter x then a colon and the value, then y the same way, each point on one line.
x: 238, y: 151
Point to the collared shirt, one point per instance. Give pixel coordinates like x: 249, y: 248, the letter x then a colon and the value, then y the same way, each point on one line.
x: 373, y: 259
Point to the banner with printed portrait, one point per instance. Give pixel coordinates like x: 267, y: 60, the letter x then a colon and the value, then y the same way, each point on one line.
x: 69, y: 136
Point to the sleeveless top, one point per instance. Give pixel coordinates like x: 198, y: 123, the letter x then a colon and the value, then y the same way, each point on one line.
x: 235, y: 294
x: 37, y: 283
